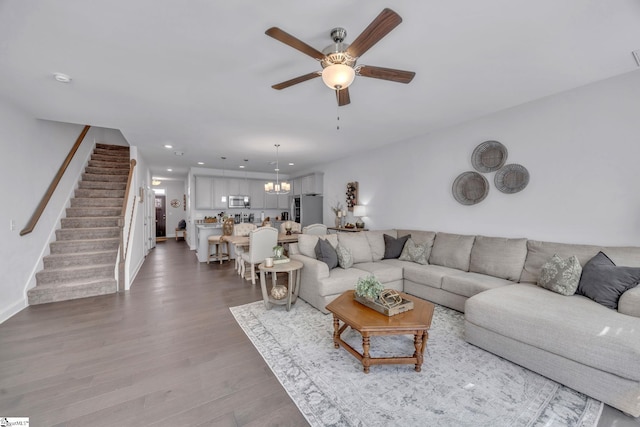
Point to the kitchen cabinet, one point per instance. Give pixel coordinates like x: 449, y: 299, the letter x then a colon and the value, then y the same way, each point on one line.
x: 256, y: 192
x: 220, y: 189
x: 237, y: 187
x: 297, y: 187
x: 308, y: 184
x: 204, y: 192
x: 276, y: 201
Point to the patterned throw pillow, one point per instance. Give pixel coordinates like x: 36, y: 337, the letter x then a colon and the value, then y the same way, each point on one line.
x: 345, y: 259
x: 415, y: 252
x: 561, y: 275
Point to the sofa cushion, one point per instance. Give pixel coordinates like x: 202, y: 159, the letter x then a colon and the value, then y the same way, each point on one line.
x: 340, y: 280
x: 326, y: 253
x: 415, y: 252
x: 498, y: 257
x: 428, y: 275
x: 420, y: 237
x: 452, y: 250
x: 573, y: 327
x: 382, y: 271
x: 345, y: 259
x: 376, y: 242
x: 393, y: 247
x: 604, y: 282
x: 629, y: 302
x: 358, y: 244
x: 561, y: 275
x: 307, y: 243
x: 469, y: 284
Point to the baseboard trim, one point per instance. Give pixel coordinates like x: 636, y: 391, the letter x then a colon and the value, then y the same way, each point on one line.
x: 13, y: 309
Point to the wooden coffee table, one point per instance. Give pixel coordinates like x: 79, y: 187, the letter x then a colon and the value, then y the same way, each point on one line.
x: 370, y: 323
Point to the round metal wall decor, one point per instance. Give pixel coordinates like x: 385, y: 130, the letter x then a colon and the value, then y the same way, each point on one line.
x: 489, y: 156
x: 512, y: 178
x: 470, y: 188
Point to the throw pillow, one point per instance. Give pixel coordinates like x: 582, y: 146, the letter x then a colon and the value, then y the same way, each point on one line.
x: 326, y: 253
x: 345, y: 259
x: 415, y: 252
x: 604, y: 282
x: 561, y: 275
x: 393, y: 247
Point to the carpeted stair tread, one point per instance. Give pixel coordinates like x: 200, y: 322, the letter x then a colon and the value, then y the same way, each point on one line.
x: 90, y: 222
x: 99, y: 193
x: 96, y: 211
x: 84, y: 202
x: 123, y: 160
x: 75, y: 246
x: 55, y: 261
x: 107, y: 171
x: 108, y: 164
x: 103, y: 177
x: 87, y: 233
x: 67, y: 274
x: 102, y: 185
x: 42, y: 294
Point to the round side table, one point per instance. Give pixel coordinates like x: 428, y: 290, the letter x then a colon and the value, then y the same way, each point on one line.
x: 293, y: 269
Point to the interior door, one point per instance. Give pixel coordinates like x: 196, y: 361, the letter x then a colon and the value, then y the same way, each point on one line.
x: 161, y: 216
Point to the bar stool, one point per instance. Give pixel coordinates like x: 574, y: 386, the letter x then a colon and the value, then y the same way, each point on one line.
x: 216, y: 240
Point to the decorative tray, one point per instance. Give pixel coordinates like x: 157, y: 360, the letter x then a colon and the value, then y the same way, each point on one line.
x: 405, y: 305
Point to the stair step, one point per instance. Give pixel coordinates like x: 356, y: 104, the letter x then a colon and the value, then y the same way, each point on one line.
x: 43, y: 294
x: 111, y: 153
x: 112, y: 147
x: 90, y: 222
x: 102, y: 185
x: 105, y: 164
x: 99, y: 211
x: 99, y: 193
x: 76, y: 246
x: 115, y: 160
x: 56, y: 261
x: 50, y: 276
x: 107, y: 171
x: 101, y: 177
x: 83, y: 202
x: 87, y: 233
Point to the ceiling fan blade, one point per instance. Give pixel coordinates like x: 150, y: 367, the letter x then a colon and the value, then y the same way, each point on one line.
x: 379, y: 27
x: 294, y: 42
x: 399, y: 76
x: 296, y: 80
x: 343, y: 97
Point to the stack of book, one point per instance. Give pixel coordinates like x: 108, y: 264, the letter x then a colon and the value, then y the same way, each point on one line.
x: 280, y: 260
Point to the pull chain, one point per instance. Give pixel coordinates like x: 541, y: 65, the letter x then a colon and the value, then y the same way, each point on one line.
x: 337, y: 118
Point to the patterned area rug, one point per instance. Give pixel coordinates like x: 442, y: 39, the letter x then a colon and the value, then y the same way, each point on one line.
x: 460, y: 385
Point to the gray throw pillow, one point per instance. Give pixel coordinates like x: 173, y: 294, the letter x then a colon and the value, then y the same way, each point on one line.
x: 415, y: 252
x: 393, y: 247
x: 561, y: 275
x: 604, y: 282
x: 345, y: 259
x: 326, y: 253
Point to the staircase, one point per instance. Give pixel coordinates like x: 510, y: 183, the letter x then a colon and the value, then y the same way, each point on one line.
x: 83, y: 257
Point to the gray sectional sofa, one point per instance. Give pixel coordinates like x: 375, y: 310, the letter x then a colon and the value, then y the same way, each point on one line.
x: 570, y: 339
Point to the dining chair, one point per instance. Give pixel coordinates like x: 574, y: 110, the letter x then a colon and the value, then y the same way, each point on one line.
x: 261, y: 243
x: 296, y: 227
x: 316, y: 229
x: 242, y: 229
x: 216, y: 240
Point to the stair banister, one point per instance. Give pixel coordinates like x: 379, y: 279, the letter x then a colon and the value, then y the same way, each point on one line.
x: 54, y: 184
x: 124, y: 247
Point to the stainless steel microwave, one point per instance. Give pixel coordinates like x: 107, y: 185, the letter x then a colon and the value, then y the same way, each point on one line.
x: 239, y: 202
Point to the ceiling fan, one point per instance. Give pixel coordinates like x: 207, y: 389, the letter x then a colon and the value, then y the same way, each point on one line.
x: 339, y: 59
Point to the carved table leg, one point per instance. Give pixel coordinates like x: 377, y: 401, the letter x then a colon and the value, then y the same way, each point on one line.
x: 336, y: 331
x: 365, y: 353
x: 418, y: 340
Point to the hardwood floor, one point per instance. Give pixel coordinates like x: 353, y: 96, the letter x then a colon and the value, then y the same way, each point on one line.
x: 168, y: 352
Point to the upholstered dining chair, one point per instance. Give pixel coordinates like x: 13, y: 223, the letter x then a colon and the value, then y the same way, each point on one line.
x: 242, y: 229
x: 317, y: 229
x: 261, y: 243
x: 216, y: 240
x: 296, y: 227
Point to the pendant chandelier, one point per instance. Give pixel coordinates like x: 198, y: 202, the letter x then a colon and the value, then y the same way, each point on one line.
x: 278, y: 187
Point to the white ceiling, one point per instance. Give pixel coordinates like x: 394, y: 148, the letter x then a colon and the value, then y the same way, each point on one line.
x: 197, y: 74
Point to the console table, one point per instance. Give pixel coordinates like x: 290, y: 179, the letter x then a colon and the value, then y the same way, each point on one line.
x: 347, y: 230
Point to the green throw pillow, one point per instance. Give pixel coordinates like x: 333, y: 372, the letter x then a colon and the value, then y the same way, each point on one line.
x: 561, y: 275
x: 415, y: 252
x: 345, y: 259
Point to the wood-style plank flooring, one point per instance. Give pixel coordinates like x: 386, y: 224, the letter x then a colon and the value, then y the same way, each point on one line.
x: 168, y: 352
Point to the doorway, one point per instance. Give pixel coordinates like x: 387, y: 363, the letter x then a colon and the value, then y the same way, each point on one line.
x: 161, y: 217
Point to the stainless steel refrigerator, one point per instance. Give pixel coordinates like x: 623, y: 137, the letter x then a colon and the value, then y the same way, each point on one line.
x: 307, y: 209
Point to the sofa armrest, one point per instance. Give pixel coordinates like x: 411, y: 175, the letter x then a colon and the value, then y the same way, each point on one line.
x: 313, y: 269
x: 629, y: 302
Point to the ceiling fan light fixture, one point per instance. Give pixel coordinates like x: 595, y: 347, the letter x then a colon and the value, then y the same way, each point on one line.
x: 338, y: 76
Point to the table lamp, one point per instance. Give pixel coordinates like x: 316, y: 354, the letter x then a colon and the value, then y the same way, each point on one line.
x: 359, y: 211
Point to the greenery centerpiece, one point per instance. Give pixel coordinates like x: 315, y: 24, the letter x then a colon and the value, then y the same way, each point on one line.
x: 369, y: 287
x: 278, y: 251
x: 337, y: 210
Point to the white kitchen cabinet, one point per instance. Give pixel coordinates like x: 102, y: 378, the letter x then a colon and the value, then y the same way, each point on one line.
x: 220, y: 189
x: 204, y: 192
x: 283, y: 201
x: 234, y: 186
x: 297, y: 187
x: 256, y: 192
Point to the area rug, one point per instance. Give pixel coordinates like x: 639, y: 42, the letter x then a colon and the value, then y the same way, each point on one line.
x: 460, y: 384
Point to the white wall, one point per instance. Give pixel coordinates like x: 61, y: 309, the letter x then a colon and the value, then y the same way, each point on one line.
x: 581, y: 149
x: 174, y: 190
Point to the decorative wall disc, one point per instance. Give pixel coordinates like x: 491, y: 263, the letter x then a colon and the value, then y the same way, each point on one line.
x: 175, y: 203
x: 489, y: 156
x: 470, y: 188
x: 512, y: 178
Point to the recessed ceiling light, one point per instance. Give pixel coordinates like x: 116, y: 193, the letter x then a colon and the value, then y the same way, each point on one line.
x: 201, y: 163
x: 241, y: 166
x: 156, y: 182
x: 169, y: 170
x: 62, y: 78
x: 291, y: 163
x: 168, y: 146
